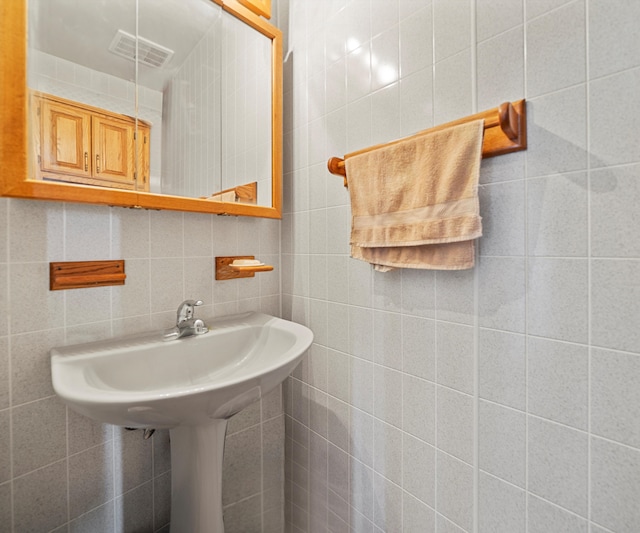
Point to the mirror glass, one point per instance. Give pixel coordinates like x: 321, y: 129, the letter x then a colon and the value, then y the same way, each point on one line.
x: 189, y: 82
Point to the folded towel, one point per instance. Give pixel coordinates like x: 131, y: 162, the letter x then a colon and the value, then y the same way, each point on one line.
x: 446, y: 256
x: 414, y: 202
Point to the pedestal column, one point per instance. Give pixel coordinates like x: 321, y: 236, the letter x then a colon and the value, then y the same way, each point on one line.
x: 196, y: 478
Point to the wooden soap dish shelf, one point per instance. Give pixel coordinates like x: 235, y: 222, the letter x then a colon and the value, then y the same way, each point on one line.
x: 225, y: 270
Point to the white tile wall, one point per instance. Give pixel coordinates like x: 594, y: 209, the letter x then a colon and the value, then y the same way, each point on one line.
x: 497, y: 400
x: 61, y: 471
x: 191, y: 147
x: 245, y: 103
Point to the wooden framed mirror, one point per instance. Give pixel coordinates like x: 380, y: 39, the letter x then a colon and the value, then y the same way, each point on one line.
x: 202, y: 136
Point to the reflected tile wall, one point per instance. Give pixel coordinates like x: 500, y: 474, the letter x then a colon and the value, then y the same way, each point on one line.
x: 193, y: 168
x: 62, y: 471
x: 497, y: 400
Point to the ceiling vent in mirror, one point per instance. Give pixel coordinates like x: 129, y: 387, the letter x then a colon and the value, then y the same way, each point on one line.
x: 150, y: 53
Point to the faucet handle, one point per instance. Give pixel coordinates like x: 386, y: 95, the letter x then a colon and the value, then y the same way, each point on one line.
x: 186, y: 309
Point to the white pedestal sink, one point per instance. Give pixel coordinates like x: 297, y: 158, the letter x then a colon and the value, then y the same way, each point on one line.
x: 191, y: 386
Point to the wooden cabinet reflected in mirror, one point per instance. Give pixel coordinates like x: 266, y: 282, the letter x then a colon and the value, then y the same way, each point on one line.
x: 155, y: 120
x: 76, y: 143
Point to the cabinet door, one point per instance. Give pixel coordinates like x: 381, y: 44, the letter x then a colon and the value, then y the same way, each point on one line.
x: 113, y: 149
x: 143, y: 143
x: 65, y: 139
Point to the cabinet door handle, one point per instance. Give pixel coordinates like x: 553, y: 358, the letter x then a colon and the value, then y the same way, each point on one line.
x: 98, y: 163
x: 86, y: 161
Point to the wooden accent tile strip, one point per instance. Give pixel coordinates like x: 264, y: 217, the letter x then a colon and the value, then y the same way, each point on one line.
x: 83, y: 274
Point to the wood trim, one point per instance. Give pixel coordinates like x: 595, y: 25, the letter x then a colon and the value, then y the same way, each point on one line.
x: 13, y: 95
x: 73, y: 192
x: 259, y: 7
x: 83, y: 274
x: 277, y: 121
x: 245, y: 15
x: 197, y: 205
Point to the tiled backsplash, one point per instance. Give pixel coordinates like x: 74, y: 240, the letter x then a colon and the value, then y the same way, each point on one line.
x: 502, y: 399
x: 61, y: 471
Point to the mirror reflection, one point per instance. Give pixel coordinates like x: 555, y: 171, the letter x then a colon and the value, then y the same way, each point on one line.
x: 168, y: 97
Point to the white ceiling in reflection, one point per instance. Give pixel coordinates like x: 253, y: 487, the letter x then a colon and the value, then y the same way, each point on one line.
x: 81, y: 31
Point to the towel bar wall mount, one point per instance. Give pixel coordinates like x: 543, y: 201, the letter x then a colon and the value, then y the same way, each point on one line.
x: 505, y: 131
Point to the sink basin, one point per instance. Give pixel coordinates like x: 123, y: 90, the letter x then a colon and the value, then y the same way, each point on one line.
x: 144, y: 381
x: 190, y: 385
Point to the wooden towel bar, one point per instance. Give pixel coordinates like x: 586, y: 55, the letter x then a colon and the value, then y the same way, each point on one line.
x: 505, y: 131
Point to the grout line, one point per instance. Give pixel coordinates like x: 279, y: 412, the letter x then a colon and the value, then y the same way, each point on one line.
x: 526, y: 349
x: 553, y: 10
x: 435, y: 395
x: 537, y: 496
x: 451, y: 521
x: 149, y: 260
x: 455, y: 457
x: 611, y: 75
x: 64, y: 254
x: 261, y: 428
x: 40, y: 468
x: 66, y: 460
x: 402, y: 432
x: 153, y: 481
x: 628, y: 447
x: 589, y: 263
x: 10, y: 410
x: 476, y: 298
x: 114, y: 492
x: 7, y: 289
x: 526, y: 287
x: 476, y: 395
x: 112, y: 254
x: 436, y: 462
x: 501, y: 33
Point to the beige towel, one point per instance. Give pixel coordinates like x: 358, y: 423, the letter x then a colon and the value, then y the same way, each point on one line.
x: 414, y: 203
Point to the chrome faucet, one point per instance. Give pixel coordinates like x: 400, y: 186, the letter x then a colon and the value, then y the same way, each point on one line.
x: 186, y: 324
